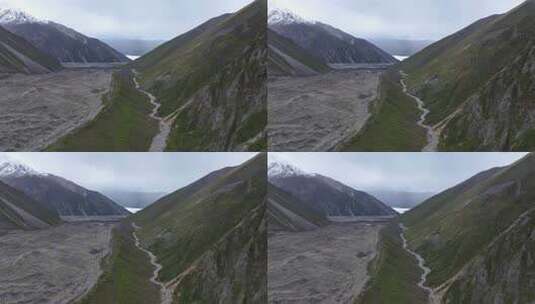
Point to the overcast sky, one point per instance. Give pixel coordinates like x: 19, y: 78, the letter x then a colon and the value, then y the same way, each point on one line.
x: 415, y: 19
x: 153, y: 19
x: 145, y: 172
x: 413, y: 172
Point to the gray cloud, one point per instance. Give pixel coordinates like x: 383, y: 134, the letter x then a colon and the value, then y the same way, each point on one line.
x: 415, y: 19
x: 146, y: 172
x: 416, y: 172
x: 155, y: 19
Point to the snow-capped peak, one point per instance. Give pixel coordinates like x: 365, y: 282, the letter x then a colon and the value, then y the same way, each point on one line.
x: 15, y: 16
x: 284, y: 16
x: 281, y: 168
x: 14, y: 169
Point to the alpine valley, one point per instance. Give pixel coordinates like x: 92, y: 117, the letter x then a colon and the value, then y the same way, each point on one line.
x: 471, y: 91
x: 470, y: 243
x: 203, y: 243
x: 201, y: 91
x: 322, y: 83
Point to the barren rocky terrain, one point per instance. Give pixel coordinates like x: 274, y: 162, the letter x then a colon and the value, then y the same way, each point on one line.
x: 57, y: 265
x: 327, y: 265
x: 39, y: 109
x: 320, y: 112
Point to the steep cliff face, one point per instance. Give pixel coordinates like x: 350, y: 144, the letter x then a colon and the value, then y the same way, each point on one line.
x: 229, y: 113
x: 479, y: 83
x: 211, y: 80
x: 210, y: 236
x: 478, y: 237
x: 234, y: 271
x: 500, y: 116
x: 503, y: 273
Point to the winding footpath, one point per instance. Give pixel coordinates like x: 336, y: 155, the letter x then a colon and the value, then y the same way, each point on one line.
x: 166, y: 294
x: 433, y: 136
x: 421, y: 264
x: 159, y: 142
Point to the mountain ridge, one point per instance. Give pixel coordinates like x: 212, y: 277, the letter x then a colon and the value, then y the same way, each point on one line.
x: 57, y: 40
x: 324, y: 41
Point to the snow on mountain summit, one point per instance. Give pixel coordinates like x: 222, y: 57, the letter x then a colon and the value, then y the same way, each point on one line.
x: 15, y: 16
x: 280, y: 168
x: 285, y: 16
x: 14, y: 169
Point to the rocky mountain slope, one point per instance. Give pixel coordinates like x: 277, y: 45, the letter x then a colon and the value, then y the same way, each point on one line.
x: 57, y: 40
x: 210, y: 236
x: 477, y: 237
x: 285, y: 212
x: 19, y: 56
x: 58, y: 194
x: 324, y: 41
x: 324, y: 195
x: 212, y: 79
x: 479, y: 83
x: 18, y: 211
x: 285, y: 58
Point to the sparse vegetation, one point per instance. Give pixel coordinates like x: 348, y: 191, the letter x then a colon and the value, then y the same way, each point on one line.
x: 127, y: 271
x: 123, y: 125
x: 394, y: 273
x: 392, y: 126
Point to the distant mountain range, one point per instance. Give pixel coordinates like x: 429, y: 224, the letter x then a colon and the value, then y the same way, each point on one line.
x: 19, y: 56
x: 323, y: 41
x: 401, y: 47
x: 324, y: 196
x: 401, y: 199
x: 57, y: 194
x: 57, y: 40
x: 134, y: 47
x: 133, y: 199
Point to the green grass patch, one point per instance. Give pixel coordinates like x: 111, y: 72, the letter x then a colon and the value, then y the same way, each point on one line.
x: 394, y: 273
x: 393, y: 125
x: 127, y: 272
x: 123, y: 125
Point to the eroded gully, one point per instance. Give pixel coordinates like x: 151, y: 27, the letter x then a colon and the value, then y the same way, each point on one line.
x: 166, y: 294
x: 421, y: 264
x: 433, y: 136
x: 159, y: 142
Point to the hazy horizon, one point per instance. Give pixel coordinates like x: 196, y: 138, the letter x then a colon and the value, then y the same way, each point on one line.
x: 411, y: 172
x: 410, y: 19
x: 136, y: 172
x: 133, y: 19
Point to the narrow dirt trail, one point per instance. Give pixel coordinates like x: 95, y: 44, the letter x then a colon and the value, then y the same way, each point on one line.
x: 159, y: 142
x: 433, y: 136
x: 421, y: 264
x: 166, y: 294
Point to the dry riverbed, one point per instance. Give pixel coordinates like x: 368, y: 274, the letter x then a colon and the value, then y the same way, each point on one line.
x: 327, y: 265
x: 57, y: 265
x: 37, y: 110
x: 320, y: 112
